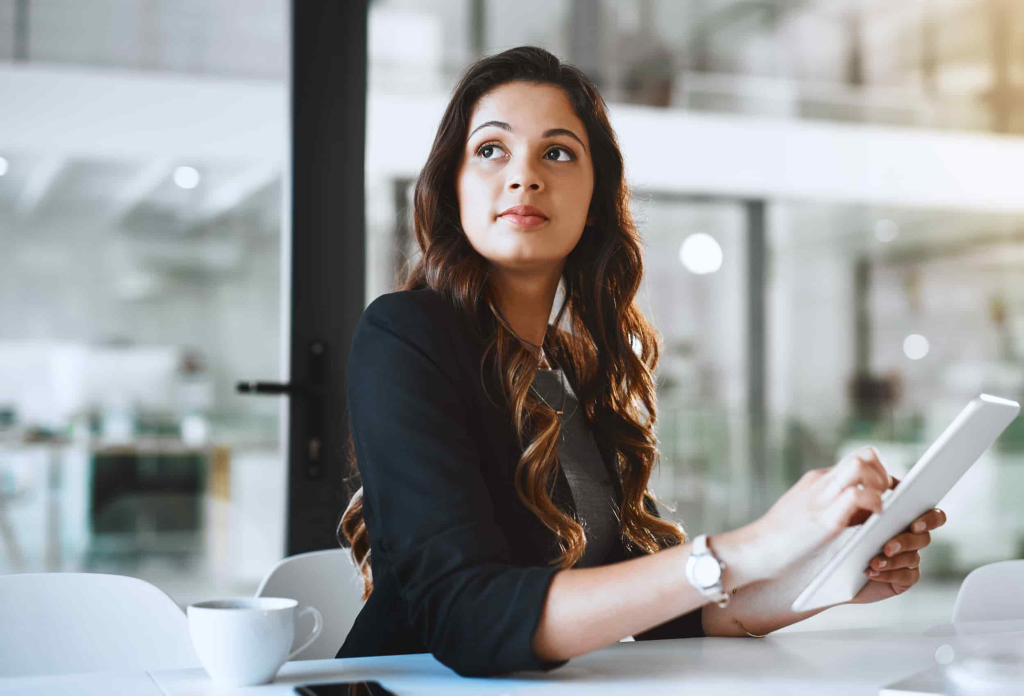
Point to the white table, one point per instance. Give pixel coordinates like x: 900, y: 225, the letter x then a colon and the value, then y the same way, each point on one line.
x: 94, y: 684
x: 857, y: 661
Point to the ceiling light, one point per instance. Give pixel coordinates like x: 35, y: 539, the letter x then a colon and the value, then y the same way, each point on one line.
x: 186, y: 177
x: 3, y: 166
x: 915, y: 346
x: 701, y: 254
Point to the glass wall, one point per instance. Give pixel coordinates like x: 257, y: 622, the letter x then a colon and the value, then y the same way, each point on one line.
x: 142, y: 149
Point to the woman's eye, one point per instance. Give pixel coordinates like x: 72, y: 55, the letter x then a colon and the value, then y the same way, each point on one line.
x: 561, y: 154
x: 568, y: 154
x: 487, y: 150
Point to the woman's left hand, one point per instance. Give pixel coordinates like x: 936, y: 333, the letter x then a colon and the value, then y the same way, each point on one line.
x: 896, y: 568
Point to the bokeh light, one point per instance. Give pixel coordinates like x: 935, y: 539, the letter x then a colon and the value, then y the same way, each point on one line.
x: 886, y: 230
x: 701, y: 254
x: 915, y: 346
x: 186, y: 177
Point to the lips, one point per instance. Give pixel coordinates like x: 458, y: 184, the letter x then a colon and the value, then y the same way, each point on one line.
x: 524, y: 216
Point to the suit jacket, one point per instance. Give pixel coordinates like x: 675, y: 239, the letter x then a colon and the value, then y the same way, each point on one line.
x: 460, y: 567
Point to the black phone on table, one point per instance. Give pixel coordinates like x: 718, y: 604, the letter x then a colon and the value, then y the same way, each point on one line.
x: 360, y: 688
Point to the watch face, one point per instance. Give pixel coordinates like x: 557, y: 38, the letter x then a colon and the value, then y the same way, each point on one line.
x: 707, y: 572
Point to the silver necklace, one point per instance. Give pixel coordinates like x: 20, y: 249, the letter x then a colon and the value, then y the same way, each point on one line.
x: 561, y: 383
x: 544, y: 361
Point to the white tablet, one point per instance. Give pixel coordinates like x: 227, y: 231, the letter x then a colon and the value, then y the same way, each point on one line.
x: 950, y: 456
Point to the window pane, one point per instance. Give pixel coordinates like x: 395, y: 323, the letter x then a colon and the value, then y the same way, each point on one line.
x: 141, y: 227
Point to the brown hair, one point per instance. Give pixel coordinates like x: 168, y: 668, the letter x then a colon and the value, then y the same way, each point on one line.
x: 600, y: 337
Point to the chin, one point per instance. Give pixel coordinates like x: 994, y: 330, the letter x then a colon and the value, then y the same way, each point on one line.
x: 530, y: 251
x: 520, y: 265
x: 526, y: 257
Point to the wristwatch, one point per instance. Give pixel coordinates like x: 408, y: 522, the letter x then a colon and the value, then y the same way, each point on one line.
x: 704, y: 571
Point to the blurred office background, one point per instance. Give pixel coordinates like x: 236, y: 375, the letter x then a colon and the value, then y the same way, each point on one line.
x: 828, y: 190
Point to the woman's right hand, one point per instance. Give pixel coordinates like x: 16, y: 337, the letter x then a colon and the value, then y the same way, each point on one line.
x: 820, y: 506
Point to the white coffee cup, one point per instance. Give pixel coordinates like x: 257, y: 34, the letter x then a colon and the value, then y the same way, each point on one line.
x: 244, y: 641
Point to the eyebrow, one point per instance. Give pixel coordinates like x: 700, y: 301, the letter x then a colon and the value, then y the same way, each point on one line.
x: 547, y: 134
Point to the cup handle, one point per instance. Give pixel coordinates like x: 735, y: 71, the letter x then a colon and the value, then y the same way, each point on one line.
x: 318, y: 625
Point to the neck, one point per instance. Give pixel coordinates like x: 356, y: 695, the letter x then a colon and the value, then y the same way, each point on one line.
x: 526, y: 299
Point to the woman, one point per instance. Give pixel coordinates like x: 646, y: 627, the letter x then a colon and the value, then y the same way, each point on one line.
x: 504, y: 521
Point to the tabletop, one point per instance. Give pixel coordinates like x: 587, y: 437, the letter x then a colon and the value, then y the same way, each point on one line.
x: 847, y: 662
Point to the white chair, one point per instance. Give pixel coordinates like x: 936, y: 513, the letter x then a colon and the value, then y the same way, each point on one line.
x: 329, y: 581
x: 68, y: 623
x: 994, y: 592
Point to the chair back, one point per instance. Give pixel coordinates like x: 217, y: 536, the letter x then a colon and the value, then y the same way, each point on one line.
x: 993, y: 592
x: 327, y: 580
x: 68, y: 623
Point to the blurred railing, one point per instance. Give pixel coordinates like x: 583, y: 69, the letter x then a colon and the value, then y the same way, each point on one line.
x: 787, y: 98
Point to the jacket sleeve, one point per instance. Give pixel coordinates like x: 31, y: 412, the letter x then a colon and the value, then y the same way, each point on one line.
x: 432, y: 518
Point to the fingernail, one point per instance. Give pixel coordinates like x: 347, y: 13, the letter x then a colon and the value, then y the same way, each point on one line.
x: 918, y: 526
x: 893, y: 548
x: 873, y: 573
x: 882, y: 564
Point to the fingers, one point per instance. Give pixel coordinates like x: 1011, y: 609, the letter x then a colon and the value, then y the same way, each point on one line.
x: 933, y: 519
x: 911, y: 559
x: 862, y: 467
x: 901, y: 551
x: 904, y: 577
x: 906, y: 542
x: 839, y: 514
x: 870, y: 459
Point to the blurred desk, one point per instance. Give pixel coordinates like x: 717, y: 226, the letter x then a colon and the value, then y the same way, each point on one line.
x: 845, y: 663
x: 47, y: 521
x: 73, y: 490
x: 850, y: 662
x: 30, y: 473
x: 147, y: 496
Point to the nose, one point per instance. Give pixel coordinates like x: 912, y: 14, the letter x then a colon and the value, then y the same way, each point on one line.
x: 524, y: 176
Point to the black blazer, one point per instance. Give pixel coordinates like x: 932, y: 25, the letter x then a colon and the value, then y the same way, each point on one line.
x: 460, y: 567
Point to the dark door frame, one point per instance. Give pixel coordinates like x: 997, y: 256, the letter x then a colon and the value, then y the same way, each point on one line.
x: 328, y: 82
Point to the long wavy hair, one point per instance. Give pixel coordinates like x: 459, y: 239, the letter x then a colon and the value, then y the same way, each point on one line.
x: 600, y: 338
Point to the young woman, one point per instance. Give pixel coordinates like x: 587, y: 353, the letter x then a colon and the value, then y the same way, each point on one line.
x: 504, y: 521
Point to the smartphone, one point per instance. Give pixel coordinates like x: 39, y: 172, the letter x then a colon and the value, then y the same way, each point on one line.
x: 361, y: 688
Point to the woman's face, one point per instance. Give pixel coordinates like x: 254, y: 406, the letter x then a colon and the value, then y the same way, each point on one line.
x: 525, y: 146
